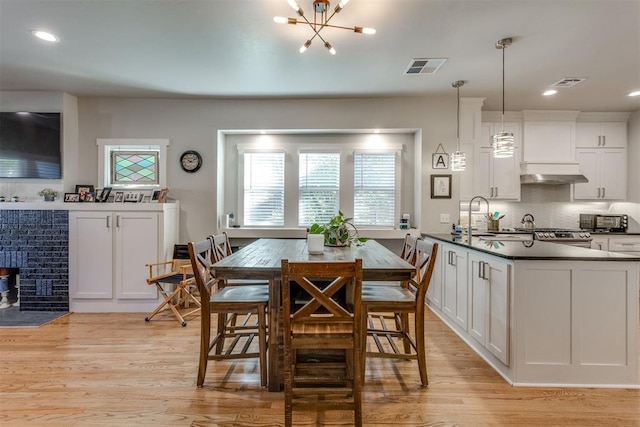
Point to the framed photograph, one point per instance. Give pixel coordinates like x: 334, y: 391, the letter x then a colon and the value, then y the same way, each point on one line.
x: 440, y: 186
x: 162, y: 197
x: 133, y: 197
x: 154, y: 195
x: 71, y: 197
x: 83, y: 189
x: 90, y: 197
x: 119, y: 197
x: 103, y: 195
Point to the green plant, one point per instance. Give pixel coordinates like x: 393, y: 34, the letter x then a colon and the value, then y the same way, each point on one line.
x: 339, y: 231
x: 48, y: 192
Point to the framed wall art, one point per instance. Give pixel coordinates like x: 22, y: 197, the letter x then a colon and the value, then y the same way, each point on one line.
x: 440, y: 186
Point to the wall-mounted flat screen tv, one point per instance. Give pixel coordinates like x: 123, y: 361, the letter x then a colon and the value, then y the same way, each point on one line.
x: 30, y: 145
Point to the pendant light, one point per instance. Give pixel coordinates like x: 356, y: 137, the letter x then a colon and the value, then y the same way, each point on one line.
x: 458, y: 159
x: 503, y: 142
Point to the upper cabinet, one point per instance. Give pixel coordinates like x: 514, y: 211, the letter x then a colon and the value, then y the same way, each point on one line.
x: 601, y: 134
x: 497, y: 178
x: 549, y: 136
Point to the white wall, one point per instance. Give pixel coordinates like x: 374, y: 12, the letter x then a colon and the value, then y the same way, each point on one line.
x: 193, y: 124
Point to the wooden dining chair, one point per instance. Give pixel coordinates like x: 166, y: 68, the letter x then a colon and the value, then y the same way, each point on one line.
x: 407, y: 253
x: 176, y: 284
x: 383, y: 306
x: 321, y: 312
x: 228, y: 322
x: 222, y: 300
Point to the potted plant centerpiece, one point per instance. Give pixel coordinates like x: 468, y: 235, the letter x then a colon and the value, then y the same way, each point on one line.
x: 49, y: 194
x: 339, y: 231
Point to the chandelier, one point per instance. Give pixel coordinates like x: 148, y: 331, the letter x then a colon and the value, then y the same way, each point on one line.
x: 321, y: 18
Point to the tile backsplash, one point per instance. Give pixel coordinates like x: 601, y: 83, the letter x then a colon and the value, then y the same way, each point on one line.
x: 550, y: 208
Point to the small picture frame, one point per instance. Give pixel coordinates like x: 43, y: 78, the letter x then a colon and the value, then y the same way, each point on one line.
x: 154, y: 195
x: 162, y: 197
x: 440, y: 186
x: 119, y: 197
x: 71, y: 197
x: 103, y: 195
x: 90, y: 197
x: 132, y: 197
x: 83, y: 189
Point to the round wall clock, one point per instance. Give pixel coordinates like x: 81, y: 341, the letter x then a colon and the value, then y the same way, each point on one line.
x: 190, y: 161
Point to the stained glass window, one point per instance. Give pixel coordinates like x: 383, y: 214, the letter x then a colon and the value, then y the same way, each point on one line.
x: 130, y: 167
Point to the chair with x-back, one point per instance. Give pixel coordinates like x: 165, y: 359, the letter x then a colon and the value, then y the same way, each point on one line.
x: 223, y: 300
x: 321, y: 312
x: 380, y: 303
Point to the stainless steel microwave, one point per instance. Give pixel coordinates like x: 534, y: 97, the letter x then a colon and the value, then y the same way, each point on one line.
x: 604, y: 222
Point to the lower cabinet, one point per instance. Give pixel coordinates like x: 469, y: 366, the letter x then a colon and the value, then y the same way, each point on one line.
x: 108, y: 251
x: 434, y: 291
x: 489, y: 304
x: 454, y: 284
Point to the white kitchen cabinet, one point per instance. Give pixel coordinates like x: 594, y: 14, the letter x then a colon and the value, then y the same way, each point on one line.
x: 489, y: 304
x: 606, y: 170
x: 108, y: 251
x: 549, y: 141
x: 625, y: 244
x: 455, y: 284
x: 601, y: 134
x: 600, y: 243
x: 434, y: 291
x: 496, y: 178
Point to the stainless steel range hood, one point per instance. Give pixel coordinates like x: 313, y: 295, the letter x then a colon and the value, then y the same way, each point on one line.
x: 551, y: 173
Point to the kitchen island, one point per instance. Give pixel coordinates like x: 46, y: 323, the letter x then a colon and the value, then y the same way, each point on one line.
x: 541, y: 314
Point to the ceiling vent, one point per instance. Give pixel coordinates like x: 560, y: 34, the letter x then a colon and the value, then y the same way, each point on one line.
x: 568, y: 82
x: 424, y: 65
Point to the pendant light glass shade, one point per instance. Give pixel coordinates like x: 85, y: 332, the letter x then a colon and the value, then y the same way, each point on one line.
x: 458, y: 158
x: 503, y: 142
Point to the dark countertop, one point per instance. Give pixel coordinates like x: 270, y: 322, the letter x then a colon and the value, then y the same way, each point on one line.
x: 533, y: 249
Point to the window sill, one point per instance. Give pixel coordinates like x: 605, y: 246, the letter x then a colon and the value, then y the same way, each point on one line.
x: 300, y: 233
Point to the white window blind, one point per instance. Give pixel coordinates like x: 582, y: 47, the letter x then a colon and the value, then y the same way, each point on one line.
x: 319, y: 187
x: 264, y: 189
x: 374, y: 189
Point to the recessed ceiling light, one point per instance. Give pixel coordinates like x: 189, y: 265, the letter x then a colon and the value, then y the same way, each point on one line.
x: 635, y: 93
x: 43, y: 35
x: 549, y: 92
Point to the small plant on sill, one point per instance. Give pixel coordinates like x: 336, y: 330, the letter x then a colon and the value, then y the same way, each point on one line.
x: 339, y: 231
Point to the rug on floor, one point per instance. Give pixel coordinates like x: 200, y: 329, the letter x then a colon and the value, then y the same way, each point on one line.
x: 12, y: 317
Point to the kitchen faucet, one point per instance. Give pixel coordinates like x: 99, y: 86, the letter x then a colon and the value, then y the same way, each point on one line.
x: 470, y: 203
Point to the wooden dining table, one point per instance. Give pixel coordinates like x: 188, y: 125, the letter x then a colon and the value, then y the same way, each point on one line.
x: 262, y: 260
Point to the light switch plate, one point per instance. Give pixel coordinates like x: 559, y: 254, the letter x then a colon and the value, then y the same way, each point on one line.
x: 444, y: 218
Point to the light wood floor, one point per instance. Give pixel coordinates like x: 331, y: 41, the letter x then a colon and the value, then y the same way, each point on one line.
x: 118, y: 370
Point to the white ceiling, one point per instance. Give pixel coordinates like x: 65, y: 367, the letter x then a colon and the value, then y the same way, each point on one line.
x: 232, y: 48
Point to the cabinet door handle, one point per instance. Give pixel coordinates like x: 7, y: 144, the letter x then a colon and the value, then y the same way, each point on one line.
x: 108, y: 222
x: 480, y: 268
x: 599, y: 246
x: 453, y: 258
x: 603, y: 190
x: 604, y: 140
x: 496, y: 191
x: 599, y: 140
x: 599, y: 190
x: 118, y: 221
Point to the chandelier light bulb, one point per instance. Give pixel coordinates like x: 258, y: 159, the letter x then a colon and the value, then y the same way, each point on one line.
x: 294, y: 5
x: 305, y: 46
x: 331, y: 49
x: 635, y: 93
x: 367, y: 30
x: 280, y: 20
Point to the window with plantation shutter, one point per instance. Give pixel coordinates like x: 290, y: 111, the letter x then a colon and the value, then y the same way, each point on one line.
x: 374, y: 189
x: 319, y: 187
x: 264, y: 189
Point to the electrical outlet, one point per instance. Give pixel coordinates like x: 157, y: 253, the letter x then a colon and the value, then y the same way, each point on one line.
x: 444, y: 218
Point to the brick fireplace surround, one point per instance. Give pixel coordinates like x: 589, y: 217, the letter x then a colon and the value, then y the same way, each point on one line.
x: 37, y: 243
